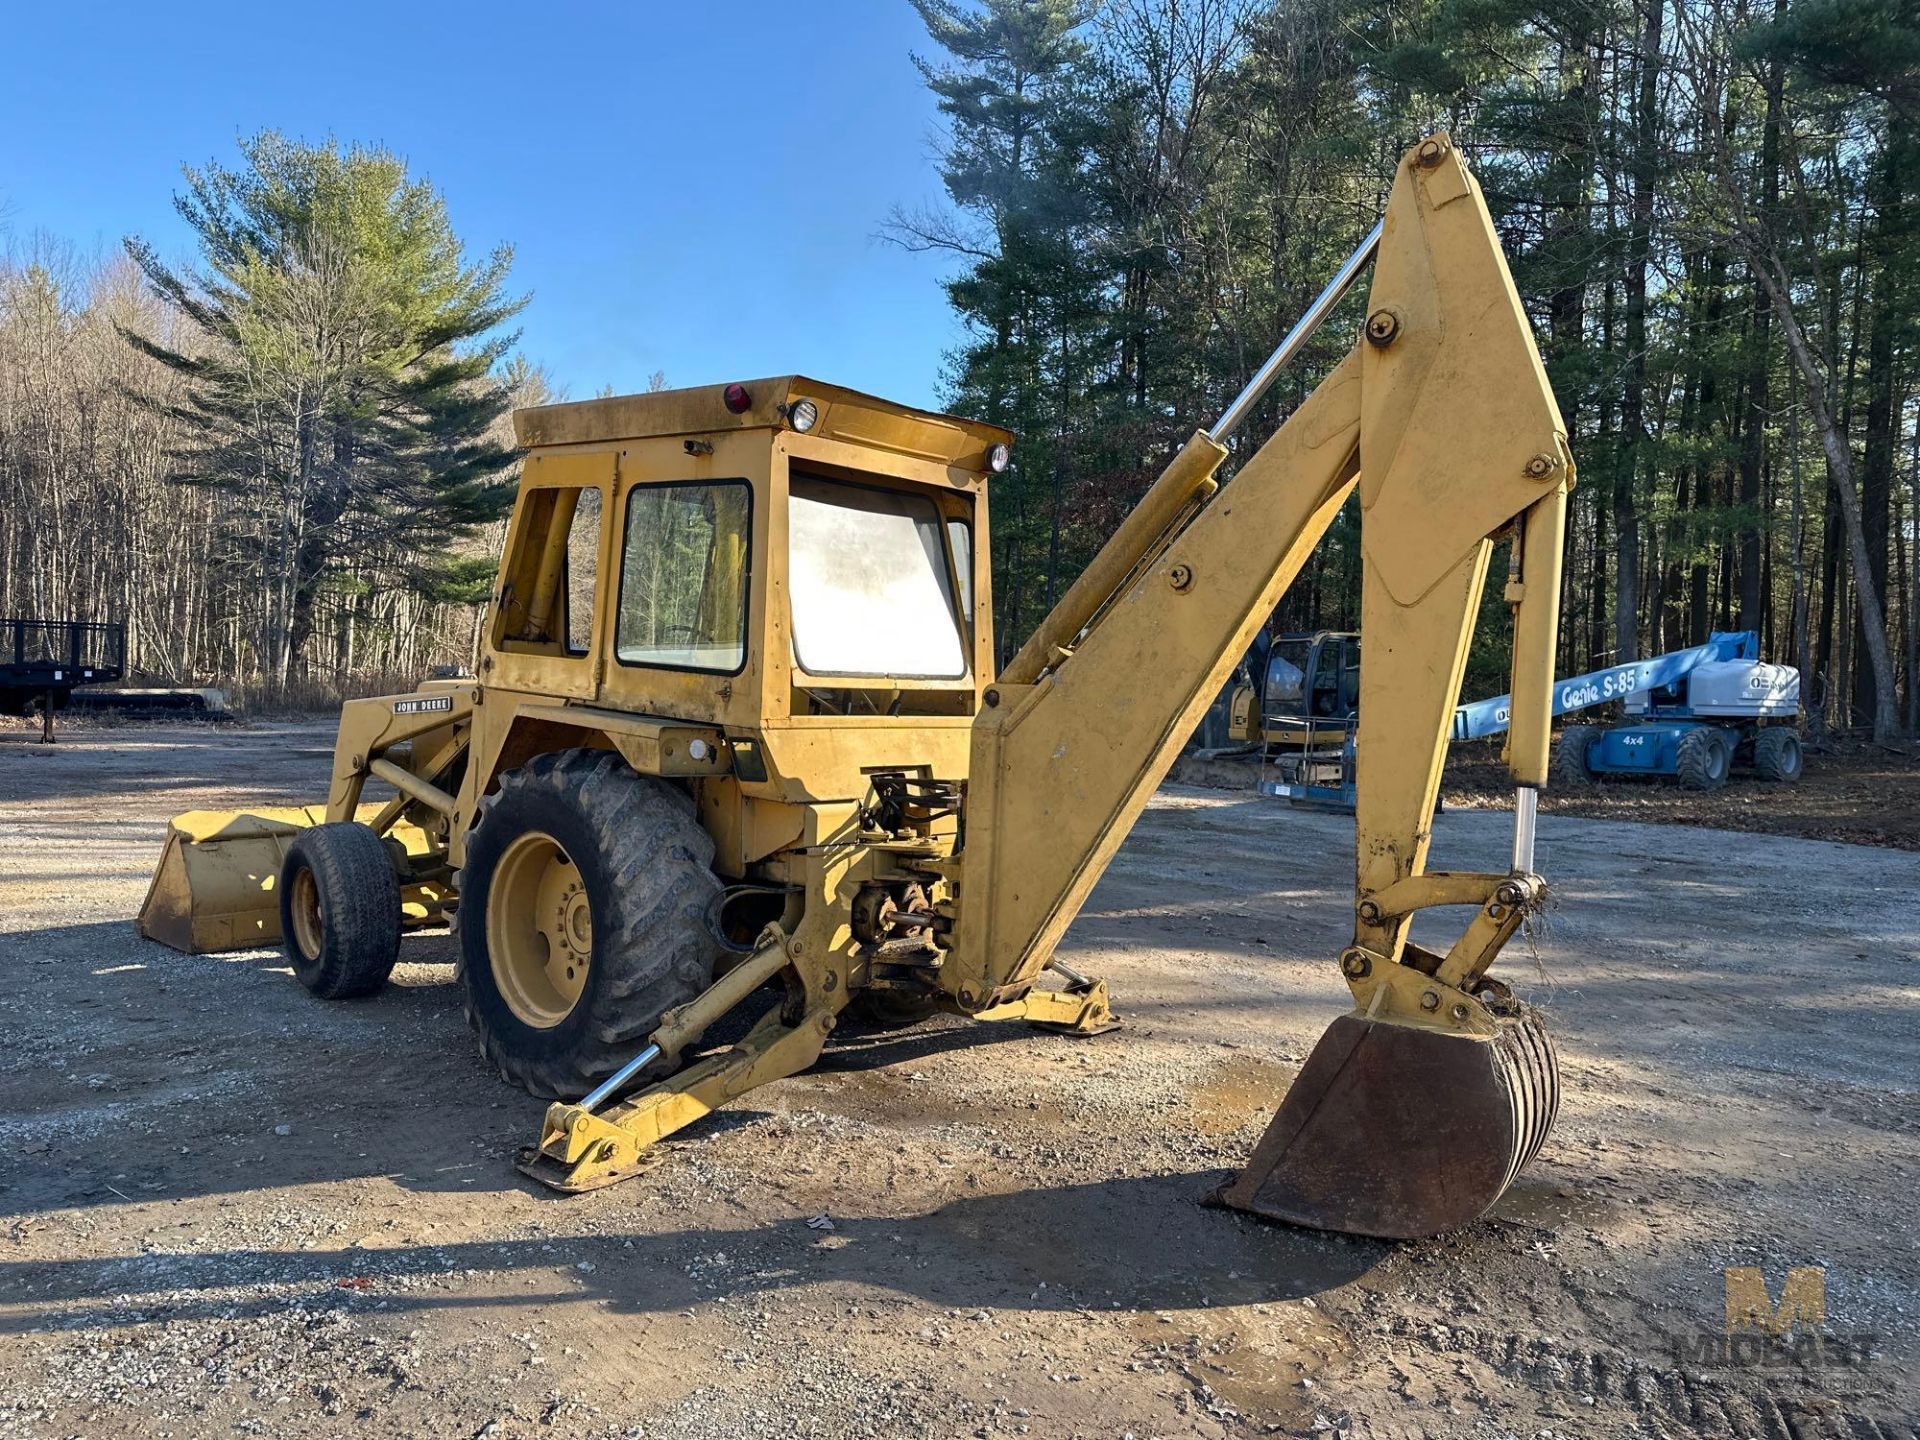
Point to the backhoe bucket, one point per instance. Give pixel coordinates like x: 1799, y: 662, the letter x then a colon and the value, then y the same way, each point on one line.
x: 1402, y: 1132
x: 216, y: 885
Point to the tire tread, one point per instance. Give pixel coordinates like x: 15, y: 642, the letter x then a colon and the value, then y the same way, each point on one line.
x: 1569, y: 763
x: 1694, y: 762
x: 1778, y: 755
x: 651, y: 940
x: 360, y: 908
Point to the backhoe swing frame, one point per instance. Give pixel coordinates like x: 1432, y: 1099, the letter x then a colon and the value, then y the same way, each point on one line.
x: 1442, y: 419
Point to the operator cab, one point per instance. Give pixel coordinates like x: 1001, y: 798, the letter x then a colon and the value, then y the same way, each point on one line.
x: 750, y: 554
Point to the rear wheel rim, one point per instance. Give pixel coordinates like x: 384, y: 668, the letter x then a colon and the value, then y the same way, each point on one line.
x: 309, y: 930
x: 539, y: 930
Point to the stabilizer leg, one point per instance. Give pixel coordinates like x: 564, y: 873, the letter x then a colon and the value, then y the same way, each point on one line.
x: 1081, y: 1009
x: 581, y: 1149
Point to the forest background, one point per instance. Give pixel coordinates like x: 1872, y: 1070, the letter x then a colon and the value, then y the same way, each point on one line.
x: 286, y: 465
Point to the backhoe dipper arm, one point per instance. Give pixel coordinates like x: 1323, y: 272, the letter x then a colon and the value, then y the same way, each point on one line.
x: 1442, y: 417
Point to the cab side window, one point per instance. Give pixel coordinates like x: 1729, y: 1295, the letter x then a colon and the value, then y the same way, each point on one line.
x: 547, y: 593
x: 684, y: 576
x: 960, y: 542
x: 583, y: 571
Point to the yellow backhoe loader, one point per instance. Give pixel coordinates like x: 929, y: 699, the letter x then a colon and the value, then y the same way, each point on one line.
x: 736, y: 725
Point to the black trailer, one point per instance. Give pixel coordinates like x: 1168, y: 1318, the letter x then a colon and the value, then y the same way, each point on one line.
x: 42, y: 661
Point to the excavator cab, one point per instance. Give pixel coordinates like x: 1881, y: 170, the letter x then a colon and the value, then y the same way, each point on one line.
x: 1294, y: 685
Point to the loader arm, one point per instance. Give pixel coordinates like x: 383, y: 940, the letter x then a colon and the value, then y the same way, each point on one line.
x: 1442, y: 418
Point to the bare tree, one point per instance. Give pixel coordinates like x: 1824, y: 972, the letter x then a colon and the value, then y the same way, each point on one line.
x: 93, y: 526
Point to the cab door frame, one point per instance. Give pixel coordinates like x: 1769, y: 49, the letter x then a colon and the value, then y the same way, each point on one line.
x: 552, y: 667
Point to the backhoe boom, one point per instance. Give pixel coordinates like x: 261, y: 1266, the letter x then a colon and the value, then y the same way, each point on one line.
x: 1442, y: 419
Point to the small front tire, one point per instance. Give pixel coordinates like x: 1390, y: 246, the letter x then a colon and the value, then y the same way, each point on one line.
x: 339, y: 910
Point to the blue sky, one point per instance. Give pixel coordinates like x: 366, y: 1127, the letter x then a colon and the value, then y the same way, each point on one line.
x: 695, y: 189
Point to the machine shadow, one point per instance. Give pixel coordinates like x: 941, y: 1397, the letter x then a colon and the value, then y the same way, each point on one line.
x: 172, y: 1049
x: 855, y: 1047
x: 1129, y: 1244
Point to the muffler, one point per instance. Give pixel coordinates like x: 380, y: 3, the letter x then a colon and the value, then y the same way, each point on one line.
x: 1403, y: 1131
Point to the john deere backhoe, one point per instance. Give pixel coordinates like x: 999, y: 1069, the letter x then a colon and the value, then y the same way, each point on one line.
x: 736, y: 725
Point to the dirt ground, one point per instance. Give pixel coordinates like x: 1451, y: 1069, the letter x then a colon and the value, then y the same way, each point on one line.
x: 1853, y: 790
x: 231, y: 1209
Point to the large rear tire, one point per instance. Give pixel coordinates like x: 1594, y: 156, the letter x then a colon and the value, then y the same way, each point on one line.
x: 339, y: 910
x: 1704, y: 760
x: 585, y: 915
x: 1569, y: 764
x: 1777, y: 755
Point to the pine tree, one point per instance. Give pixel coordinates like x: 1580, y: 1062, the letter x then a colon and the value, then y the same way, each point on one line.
x: 1014, y: 170
x: 340, y: 385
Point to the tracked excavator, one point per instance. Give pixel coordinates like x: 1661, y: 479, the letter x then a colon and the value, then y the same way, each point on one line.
x: 736, y: 740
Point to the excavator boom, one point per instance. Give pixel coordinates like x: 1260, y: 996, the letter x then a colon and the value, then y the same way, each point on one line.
x: 1416, y: 1111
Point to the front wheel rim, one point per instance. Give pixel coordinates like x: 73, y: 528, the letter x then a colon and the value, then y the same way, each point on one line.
x: 303, y: 901
x: 539, y: 930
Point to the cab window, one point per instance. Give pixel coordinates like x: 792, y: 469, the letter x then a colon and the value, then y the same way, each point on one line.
x: 870, y: 583
x: 547, y: 600
x: 583, y: 567
x: 683, y: 577
x: 960, y: 541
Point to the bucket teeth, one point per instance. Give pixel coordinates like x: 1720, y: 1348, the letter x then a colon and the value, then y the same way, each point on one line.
x: 1402, y: 1132
x: 1535, y: 1085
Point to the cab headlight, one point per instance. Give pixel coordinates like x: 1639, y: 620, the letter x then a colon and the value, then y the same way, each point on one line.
x: 803, y: 415
x: 997, y: 459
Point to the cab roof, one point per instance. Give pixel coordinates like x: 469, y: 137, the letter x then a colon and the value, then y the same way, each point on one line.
x: 845, y: 415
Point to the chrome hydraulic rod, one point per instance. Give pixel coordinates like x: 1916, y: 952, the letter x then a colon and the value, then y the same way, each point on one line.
x: 606, y: 1088
x: 1075, y: 980
x: 1297, y: 337
x: 1526, y: 809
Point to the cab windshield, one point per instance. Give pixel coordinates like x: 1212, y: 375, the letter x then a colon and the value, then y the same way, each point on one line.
x: 871, y: 583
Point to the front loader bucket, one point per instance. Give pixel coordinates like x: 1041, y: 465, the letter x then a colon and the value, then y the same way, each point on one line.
x: 216, y: 884
x: 214, y: 888
x: 1401, y: 1131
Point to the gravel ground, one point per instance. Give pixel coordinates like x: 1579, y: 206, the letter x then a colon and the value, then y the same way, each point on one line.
x: 230, y: 1209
